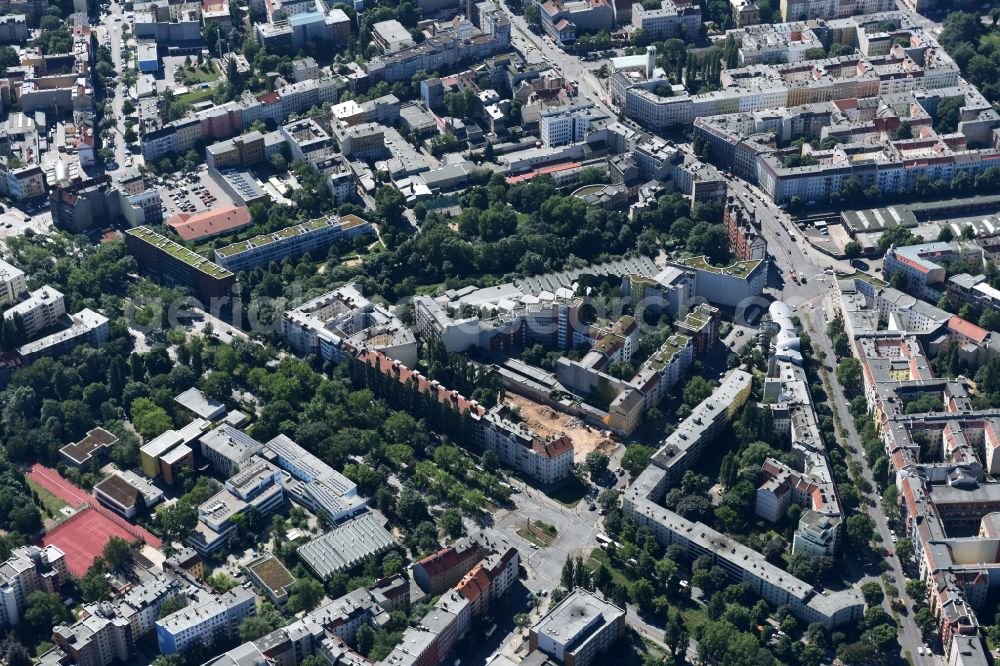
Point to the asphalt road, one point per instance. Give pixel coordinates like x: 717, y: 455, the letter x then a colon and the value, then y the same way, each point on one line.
x: 113, y: 24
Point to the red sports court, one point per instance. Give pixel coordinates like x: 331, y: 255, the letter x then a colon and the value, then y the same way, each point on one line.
x: 82, y: 538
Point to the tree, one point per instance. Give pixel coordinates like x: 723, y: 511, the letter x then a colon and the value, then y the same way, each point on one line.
x: 450, y: 521
x: 149, y: 418
x: 947, y: 114
x: 597, y: 463
x: 852, y: 250
x: 12, y: 653
x: 533, y: 15
x: 364, y: 639
x: 117, y: 553
x: 177, y: 520
x: 306, y: 595
x: 255, y: 627
x: 926, y: 622
x: 389, y: 204
x: 675, y: 635
x: 882, y: 639
x: 608, y: 499
x: 916, y: 589
x: 412, y: 507
x: 859, y: 528
x: 218, y: 385
x: 849, y: 377
x: 636, y: 459
x: 697, y: 390
x: 93, y: 586
x: 872, y: 592
x: 44, y: 610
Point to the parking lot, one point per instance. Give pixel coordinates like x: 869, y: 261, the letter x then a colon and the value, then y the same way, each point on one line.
x: 192, y: 193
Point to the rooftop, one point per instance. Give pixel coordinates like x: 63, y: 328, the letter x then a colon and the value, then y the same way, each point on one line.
x: 179, y: 252
x: 209, y: 223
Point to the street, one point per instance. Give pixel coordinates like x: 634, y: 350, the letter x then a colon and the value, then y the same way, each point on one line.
x: 573, y: 67
x: 117, y: 93
x: 814, y: 306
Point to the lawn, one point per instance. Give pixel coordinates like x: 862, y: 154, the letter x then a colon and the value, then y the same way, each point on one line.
x: 570, y: 493
x: 194, y: 72
x: 547, y: 528
x: 599, y: 557
x: 195, y: 96
x: 531, y: 538
x: 50, y: 502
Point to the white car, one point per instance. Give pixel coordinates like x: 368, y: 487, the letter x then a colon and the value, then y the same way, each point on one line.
x: 920, y: 651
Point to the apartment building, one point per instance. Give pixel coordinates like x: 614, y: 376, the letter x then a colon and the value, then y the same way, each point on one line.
x: 205, y: 619
x: 453, y: 42
x: 563, y: 20
x: 335, y: 325
x: 240, y: 151
x: 13, y: 29
x: 29, y: 569
x: 314, y: 237
x: 673, y: 18
x: 802, y: 10
x: 578, y: 630
x: 42, y: 309
x: 12, y: 283
x: 174, y: 264
x: 441, y: 570
x: 86, y: 327
x: 107, y: 631
x: 918, y: 264
x: 225, y: 121
x: 564, y: 126
x: 546, y: 460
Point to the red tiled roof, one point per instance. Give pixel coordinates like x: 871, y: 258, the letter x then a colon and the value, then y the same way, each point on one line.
x: 912, y: 264
x: 474, y: 584
x: 552, y: 448
x: 209, y: 223
x: 550, y: 169
x: 404, y: 375
x: 967, y: 328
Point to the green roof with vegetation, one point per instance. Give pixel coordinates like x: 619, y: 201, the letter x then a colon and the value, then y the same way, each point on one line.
x: 178, y: 251
x: 345, y: 222
x: 668, y: 350
x: 739, y: 269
